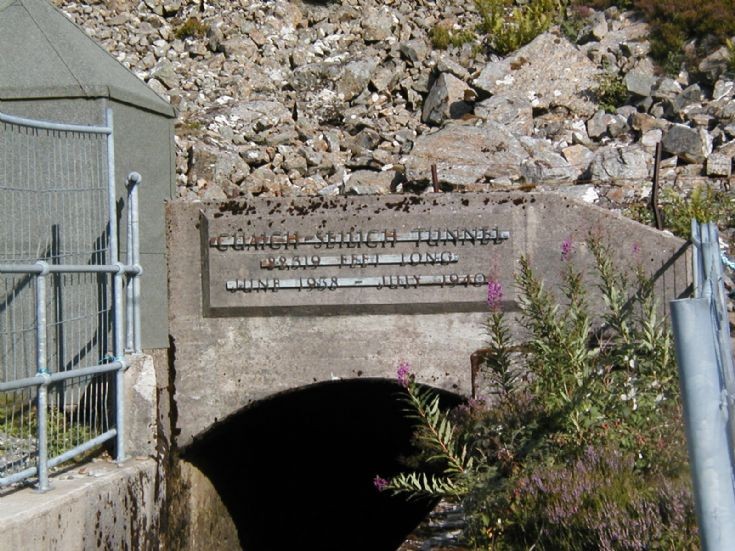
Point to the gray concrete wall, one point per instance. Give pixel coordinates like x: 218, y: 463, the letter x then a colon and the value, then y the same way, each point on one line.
x: 143, y: 143
x: 223, y: 364
x: 98, y: 505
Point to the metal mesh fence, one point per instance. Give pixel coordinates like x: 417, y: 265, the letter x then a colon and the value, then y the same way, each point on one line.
x: 58, y: 282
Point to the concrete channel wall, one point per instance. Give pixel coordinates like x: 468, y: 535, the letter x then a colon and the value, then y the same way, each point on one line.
x: 98, y: 504
x: 269, y: 295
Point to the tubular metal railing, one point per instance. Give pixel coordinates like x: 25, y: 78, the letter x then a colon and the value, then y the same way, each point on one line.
x: 62, y: 339
x: 704, y: 353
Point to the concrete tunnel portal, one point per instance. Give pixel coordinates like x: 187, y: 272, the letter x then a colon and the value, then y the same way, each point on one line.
x: 295, y: 471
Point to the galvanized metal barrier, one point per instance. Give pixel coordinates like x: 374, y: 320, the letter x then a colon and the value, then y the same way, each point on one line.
x: 62, y: 340
x: 704, y: 353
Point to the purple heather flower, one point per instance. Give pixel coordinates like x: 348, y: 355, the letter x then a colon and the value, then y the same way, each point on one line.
x: 566, y: 249
x: 403, y: 373
x: 380, y: 483
x: 494, y: 293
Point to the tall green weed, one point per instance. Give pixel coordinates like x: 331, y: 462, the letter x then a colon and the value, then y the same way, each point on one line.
x: 579, y: 448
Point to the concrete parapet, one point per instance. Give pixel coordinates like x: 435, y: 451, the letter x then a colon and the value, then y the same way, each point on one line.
x: 140, y: 406
x: 98, y: 505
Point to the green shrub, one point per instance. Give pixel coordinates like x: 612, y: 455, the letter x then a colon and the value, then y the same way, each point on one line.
x: 730, y: 44
x: 583, y: 448
x: 508, y: 27
x: 704, y: 204
x: 442, y: 37
x: 191, y: 28
x: 674, y: 22
x: 611, y: 91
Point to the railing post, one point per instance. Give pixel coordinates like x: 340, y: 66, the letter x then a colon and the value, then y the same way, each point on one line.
x: 697, y: 272
x: 42, y: 369
x: 119, y: 374
x: 133, y: 288
x: 705, y: 413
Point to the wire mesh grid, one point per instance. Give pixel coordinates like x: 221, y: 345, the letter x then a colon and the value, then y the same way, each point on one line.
x: 54, y: 208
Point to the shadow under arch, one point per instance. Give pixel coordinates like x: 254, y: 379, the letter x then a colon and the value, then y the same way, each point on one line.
x: 295, y: 470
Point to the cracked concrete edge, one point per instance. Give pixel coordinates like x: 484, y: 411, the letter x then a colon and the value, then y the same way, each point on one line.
x: 91, y: 506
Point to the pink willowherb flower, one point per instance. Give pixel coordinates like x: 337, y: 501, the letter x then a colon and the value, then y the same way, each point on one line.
x: 403, y: 373
x: 567, y: 248
x: 380, y: 483
x: 494, y: 293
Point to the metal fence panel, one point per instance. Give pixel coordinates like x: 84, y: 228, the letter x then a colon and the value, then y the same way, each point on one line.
x: 60, y: 295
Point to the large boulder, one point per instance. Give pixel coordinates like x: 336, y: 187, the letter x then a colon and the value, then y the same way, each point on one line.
x: 549, y: 71
x: 465, y: 155
x: 513, y: 112
x: 545, y: 166
x: 691, y: 144
x: 614, y: 163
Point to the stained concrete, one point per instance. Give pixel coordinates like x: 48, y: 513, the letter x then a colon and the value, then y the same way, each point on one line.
x: 99, y: 505
x: 223, y: 364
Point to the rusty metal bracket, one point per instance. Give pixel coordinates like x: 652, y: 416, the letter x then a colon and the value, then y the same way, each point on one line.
x: 653, y: 202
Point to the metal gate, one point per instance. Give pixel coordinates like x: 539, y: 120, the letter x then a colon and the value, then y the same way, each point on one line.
x: 61, y: 295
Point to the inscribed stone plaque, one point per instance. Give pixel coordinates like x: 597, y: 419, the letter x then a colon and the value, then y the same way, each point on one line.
x: 346, y: 253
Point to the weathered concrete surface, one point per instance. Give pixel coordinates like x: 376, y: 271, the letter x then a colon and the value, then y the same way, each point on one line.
x: 99, y: 505
x: 141, y: 406
x: 223, y: 364
x: 199, y: 518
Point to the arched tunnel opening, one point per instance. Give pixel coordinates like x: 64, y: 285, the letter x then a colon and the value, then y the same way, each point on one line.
x: 296, y: 471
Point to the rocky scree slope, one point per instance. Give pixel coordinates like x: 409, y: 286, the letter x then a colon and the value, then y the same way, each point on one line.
x: 279, y: 97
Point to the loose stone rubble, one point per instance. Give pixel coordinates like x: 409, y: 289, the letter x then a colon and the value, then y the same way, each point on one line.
x: 280, y: 97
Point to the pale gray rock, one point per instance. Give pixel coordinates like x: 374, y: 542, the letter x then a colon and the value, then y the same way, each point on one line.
x: 315, y: 76
x: 414, y: 50
x: 652, y: 137
x: 446, y: 64
x: 549, y: 72
x: 446, y: 100
x: 599, y: 26
x: 265, y: 181
x: 692, y: 95
x: 385, y: 77
x: 723, y: 109
x: 165, y: 72
x: 465, y: 155
x: 211, y: 164
x: 545, y: 166
x: 355, y: 78
x: 260, y: 115
x: 255, y: 156
x: 212, y: 192
x: 716, y: 63
x: 598, y: 124
x: 292, y: 160
x: 723, y: 89
x: 617, y: 126
x: 513, y: 112
x: 369, y: 182
x: 215, y: 38
x: 614, y: 163
x: 643, y: 122
x: 377, y: 25
x: 691, y: 144
x: 719, y: 165
x: 666, y: 88
x: 639, y: 83
x: 156, y: 85
x: 578, y: 156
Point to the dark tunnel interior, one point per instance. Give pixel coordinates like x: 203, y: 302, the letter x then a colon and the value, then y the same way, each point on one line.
x: 296, y: 471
